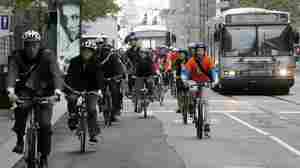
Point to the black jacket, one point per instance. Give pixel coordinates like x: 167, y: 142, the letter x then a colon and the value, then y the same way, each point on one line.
x: 111, y: 65
x: 44, y: 78
x: 84, y: 76
x: 133, y: 54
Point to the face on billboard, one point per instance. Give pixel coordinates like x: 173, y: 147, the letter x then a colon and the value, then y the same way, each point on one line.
x: 71, y: 20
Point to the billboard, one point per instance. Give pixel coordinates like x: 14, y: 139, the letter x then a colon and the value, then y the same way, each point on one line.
x: 68, y: 31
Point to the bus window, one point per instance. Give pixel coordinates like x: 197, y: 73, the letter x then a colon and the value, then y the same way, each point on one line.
x: 274, y: 40
x: 240, y: 41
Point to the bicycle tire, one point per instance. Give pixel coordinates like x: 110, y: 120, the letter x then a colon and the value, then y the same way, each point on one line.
x: 83, y: 135
x: 200, y: 120
x: 184, y: 111
x: 107, y: 114
x: 144, y: 108
x: 31, y: 159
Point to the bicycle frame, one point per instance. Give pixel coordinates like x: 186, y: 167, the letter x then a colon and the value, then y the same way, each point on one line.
x: 83, y: 114
x: 32, y: 129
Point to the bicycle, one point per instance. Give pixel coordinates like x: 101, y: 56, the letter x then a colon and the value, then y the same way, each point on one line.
x: 200, y: 112
x: 160, y: 89
x: 107, y: 105
x: 82, y: 129
x: 173, y: 84
x: 31, y: 154
x: 141, y: 98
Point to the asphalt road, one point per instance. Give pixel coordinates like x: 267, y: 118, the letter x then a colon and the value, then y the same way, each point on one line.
x: 247, y: 132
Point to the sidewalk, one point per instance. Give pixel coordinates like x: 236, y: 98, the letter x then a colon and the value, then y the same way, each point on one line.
x: 7, y: 138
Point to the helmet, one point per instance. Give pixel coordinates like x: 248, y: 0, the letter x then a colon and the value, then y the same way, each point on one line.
x: 200, y: 45
x: 89, y: 44
x: 191, y: 45
x: 31, y: 35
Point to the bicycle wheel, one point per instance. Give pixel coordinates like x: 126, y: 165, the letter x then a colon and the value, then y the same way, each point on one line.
x: 144, y: 108
x: 200, y: 120
x: 83, y: 135
x: 107, y: 114
x: 31, y: 139
x: 184, y: 111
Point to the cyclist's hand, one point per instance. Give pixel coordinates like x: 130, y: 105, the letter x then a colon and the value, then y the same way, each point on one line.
x: 100, y: 93
x: 11, y: 95
x: 58, y: 93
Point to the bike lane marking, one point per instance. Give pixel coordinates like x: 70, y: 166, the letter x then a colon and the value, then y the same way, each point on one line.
x: 273, y: 138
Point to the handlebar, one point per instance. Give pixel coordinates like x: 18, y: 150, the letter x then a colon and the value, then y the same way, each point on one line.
x: 197, y: 84
x: 115, y: 78
x: 83, y: 93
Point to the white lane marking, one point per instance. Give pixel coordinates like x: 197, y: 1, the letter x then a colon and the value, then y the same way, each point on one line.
x: 211, y: 111
x: 274, y: 138
x: 289, y: 112
x: 287, y: 146
x: 246, y: 124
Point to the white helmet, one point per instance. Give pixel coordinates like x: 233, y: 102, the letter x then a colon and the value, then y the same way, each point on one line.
x: 31, y: 35
x: 89, y: 44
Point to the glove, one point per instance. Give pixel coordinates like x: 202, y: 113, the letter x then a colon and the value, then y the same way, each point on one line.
x: 58, y: 93
x: 100, y: 93
x: 11, y: 95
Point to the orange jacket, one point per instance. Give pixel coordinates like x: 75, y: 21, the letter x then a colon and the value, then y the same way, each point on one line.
x: 195, y: 72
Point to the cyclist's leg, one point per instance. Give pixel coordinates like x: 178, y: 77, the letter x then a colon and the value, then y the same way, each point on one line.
x: 19, y: 127
x: 72, y: 111
x: 138, y: 86
x: 115, y: 93
x: 44, y: 116
x: 94, y: 128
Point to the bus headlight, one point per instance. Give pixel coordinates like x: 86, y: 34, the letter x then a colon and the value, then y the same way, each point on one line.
x: 283, y: 72
x: 230, y: 73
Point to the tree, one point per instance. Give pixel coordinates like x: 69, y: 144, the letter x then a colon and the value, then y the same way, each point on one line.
x: 91, y: 9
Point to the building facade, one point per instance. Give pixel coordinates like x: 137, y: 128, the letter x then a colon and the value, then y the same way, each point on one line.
x: 188, y: 18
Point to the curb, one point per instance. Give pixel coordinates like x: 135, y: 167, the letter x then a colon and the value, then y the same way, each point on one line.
x: 10, y: 159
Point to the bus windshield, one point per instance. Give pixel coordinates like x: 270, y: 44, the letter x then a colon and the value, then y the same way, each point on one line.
x: 240, y: 41
x: 274, y: 40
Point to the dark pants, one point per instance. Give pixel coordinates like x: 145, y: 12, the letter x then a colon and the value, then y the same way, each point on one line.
x: 43, y: 116
x: 92, y: 101
x: 115, y: 89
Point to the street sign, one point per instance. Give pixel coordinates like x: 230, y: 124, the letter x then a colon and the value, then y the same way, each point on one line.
x: 4, y: 22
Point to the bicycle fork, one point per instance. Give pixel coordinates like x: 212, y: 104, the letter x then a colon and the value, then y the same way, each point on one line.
x: 31, y: 147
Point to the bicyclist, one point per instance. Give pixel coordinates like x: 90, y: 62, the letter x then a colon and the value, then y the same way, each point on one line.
x: 84, y: 74
x: 145, y: 69
x: 111, y: 66
x: 34, y: 71
x: 179, y: 63
x: 200, y: 67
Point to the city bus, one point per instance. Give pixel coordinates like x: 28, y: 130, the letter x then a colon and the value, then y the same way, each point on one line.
x: 253, y: 49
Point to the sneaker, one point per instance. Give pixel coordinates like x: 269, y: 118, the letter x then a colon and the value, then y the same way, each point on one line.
x: 19, y: 148
x: 206, y: 128
x: 93, y: 140
x: 115, y: 119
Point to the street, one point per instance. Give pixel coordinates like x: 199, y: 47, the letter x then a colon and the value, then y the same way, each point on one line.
x: 248, y: 131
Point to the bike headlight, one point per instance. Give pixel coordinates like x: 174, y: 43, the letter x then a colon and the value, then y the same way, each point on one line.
x: 283, y: 72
